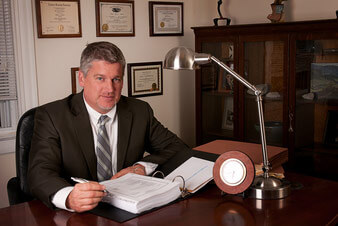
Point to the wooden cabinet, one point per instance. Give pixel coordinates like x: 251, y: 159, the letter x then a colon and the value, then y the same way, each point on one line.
x: 295, y: 64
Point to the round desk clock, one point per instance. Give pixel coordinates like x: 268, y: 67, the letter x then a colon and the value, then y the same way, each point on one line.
x: 233, y: 172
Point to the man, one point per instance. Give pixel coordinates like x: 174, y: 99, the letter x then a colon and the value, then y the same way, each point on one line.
x: 74, y: 137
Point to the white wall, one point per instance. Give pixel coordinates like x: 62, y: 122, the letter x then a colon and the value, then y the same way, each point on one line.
x: 176, y: 107
x: 248, y: 12
x: 55, y: 57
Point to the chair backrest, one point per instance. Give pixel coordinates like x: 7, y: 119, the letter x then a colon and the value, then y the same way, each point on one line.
x: 24, y: 134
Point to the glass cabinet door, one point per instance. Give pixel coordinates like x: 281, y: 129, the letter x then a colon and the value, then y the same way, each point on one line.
x: 217, y: 93
x: 264, y: 68
x: 316, y: 110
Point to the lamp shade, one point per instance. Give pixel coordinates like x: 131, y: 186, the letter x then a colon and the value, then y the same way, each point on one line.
x: 183, y: 58
x: 180, y: 58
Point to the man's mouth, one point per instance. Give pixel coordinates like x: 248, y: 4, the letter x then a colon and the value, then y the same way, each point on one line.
x: 108, y: 97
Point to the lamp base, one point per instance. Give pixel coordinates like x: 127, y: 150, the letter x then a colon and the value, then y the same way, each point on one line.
x: 269, y: 188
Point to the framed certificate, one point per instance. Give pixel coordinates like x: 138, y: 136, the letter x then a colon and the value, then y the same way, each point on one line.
x: 114, y: 18
x: 165, y: 18
x: 58, y: 19
x: 145, y: 79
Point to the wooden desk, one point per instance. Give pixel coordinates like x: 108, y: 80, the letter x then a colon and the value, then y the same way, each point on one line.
x: 313, y: 204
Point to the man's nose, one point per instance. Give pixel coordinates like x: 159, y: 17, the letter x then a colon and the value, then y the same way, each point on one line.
x: 109, y: 85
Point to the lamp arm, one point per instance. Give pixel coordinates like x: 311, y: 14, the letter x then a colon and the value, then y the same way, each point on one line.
x: 258, y: 94
x: 237, y: 76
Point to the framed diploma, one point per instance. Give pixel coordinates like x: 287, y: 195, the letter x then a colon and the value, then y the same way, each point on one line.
x: 114, y: 18
x: 145, y: 79
x: 76, y: 88
x: 58, y: 19
x: 165, y: 18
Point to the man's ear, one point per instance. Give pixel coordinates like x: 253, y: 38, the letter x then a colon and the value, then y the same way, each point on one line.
x: 81, y: 78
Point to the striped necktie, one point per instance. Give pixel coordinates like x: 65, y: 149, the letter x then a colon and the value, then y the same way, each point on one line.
x: 103, y: 151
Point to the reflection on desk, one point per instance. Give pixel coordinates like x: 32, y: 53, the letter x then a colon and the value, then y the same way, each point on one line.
x: 313, y: 203
x: 233, y: 212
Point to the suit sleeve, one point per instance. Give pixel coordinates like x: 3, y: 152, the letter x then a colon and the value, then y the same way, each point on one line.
x: 45, y: 159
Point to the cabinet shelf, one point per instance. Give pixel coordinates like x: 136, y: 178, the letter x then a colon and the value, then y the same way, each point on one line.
x: 330, y: 102
x: 217, y: 93
x: 264, y: 98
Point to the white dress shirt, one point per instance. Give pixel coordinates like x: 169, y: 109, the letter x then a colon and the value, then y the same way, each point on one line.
x: 59, y: 199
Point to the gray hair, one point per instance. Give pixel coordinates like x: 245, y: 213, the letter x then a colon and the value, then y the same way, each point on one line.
x: 101, y: 51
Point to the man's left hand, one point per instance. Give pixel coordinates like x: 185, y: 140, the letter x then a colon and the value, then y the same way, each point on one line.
x: 137, y: 169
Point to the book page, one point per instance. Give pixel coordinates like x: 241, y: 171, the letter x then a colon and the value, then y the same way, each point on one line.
x: 195, y: 171
x: 134, y: 187
x: 137, y: 193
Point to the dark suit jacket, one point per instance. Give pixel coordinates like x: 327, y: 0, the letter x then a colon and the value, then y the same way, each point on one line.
x: 63, y: 145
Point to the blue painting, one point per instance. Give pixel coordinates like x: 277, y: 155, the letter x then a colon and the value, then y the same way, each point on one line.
x: 324, y: 80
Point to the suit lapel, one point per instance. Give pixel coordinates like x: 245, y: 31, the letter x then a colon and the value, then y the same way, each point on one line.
x: 84, y: 132
x: 124, y: 127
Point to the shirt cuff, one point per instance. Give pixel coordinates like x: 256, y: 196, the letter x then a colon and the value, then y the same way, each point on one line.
x: 148, y: 166
x: 60, y: 197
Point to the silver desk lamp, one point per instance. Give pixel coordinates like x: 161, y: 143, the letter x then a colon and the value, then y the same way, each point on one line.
x: 264, y: 186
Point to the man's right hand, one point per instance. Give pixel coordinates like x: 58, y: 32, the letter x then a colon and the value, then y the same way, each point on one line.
x: 85, y: 196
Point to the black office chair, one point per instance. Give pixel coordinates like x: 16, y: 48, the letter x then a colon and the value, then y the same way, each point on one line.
x: 17, y: 188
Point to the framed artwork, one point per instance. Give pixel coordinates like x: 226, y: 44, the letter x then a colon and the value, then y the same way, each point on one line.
x: 114, y: 18
x: 166, y: 18
x: 58, y: 19
x: 324, y: 80
x: 145, y: 79
x: 76, y: 88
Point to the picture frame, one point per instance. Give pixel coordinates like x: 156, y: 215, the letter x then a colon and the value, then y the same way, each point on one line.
x: 145, y: 79
x: 58, y: 18
x: 228, y: 113
x: 115, y: 18
x: 331, y: 129
x: 225, y: 81
x: 324, y: 73
x: 76, y: 88
x: 166, y: 18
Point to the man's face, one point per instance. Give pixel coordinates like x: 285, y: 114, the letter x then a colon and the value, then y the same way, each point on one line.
x: 102, y: 86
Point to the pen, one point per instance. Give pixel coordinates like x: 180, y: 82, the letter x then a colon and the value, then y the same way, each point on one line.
x: 81, y: 180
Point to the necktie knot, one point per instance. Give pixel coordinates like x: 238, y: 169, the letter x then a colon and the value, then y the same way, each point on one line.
x: 103, y: 119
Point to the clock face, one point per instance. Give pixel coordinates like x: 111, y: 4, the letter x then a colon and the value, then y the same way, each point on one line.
x: 233, y: 172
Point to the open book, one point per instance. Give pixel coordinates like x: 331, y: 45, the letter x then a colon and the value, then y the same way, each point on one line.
x: 196, y: 173
x: 135, y: 193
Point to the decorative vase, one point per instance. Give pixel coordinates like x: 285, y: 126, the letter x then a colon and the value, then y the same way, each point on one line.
x: 277, y: 14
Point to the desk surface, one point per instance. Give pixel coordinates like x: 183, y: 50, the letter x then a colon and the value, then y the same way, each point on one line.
x: 315, y: 203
